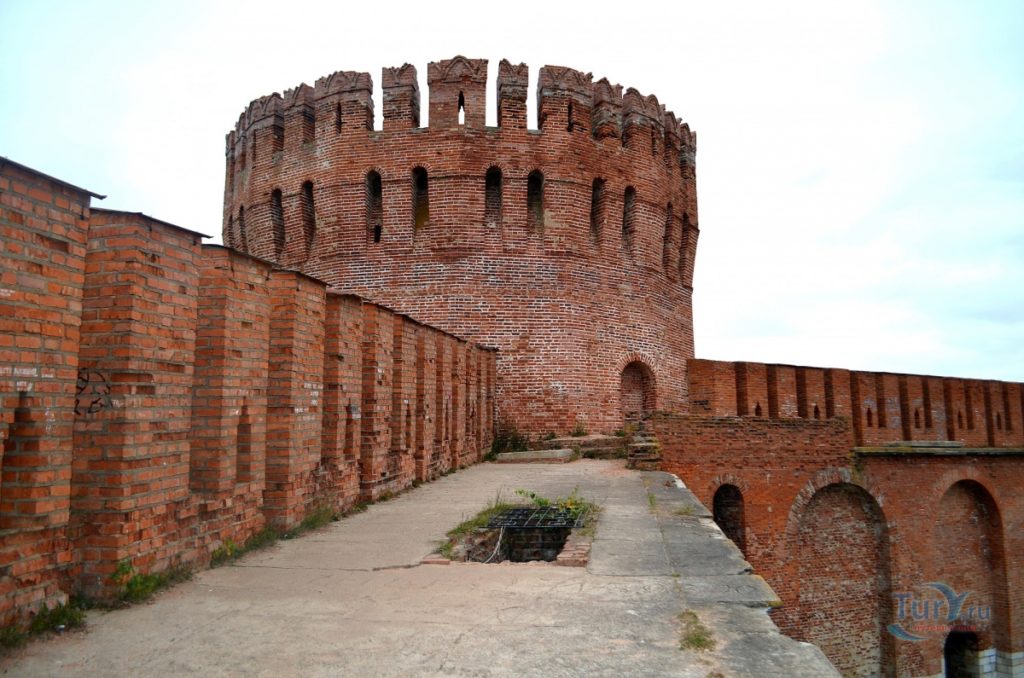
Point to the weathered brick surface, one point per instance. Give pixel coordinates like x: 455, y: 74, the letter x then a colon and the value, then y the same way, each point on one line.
x: 836, y: 526
x: 176, y: 396
x: 43, y: 227
x: 295, y: 384
x: 565, y: 297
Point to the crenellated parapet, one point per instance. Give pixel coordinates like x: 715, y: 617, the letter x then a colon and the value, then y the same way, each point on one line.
x: 567, y: 100
x: 450, y: 213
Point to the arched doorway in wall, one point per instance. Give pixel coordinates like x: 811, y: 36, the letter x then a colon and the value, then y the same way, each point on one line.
x: 969, y: 558
x: 844, y: 590
x: 637, y: 392
x: 727, y: 509
x: 960, y: 655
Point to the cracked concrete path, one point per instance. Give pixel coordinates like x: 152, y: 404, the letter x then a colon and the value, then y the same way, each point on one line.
x: 352, y: 599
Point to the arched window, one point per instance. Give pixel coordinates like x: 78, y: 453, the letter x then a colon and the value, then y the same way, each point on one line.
x: 629, y: 218
x: 420, y: 198
x: 535, y: 201
x: 597, y: 207
x: 374, y: 206
x: 492, y: 197
x: 462, y: 109
x: 308, y: 215
x: 277, y: 222
x: 684, y: 240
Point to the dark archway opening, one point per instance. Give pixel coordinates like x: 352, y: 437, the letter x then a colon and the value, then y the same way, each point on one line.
x: 727, y: 510
x: 637, y: 392
x: 960, y: 655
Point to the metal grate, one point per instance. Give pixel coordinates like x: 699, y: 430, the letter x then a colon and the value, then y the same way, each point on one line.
x: 545, y: 517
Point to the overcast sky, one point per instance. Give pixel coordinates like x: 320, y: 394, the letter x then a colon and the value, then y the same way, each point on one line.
x: 860, y: 166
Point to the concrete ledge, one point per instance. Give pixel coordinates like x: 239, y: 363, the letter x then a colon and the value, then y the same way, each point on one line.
x: 536, y: 457
x: 934, y: 450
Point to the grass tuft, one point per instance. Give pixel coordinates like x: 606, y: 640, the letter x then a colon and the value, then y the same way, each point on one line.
x: 695, y: 636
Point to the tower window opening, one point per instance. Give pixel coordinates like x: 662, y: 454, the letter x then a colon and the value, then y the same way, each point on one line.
x: 535, y: 201
x: 277, y: 222
x: 683, y: 247
x: 308, y: 215
x: 462, y: 109
x: 629, y: 218
x: 337, y: 118
x: 597, y: 205
x: 243, y: 237
x: 568, y: 117
x: 420, y: 198
x: 374, y: 205
x: 492, y: 197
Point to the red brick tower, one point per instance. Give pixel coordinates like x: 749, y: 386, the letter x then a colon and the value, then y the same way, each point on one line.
x: 569, y: 248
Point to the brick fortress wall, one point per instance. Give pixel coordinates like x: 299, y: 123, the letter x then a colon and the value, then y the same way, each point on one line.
x: 570, y: 248
x: 846, y: 488
x: 161, y: 397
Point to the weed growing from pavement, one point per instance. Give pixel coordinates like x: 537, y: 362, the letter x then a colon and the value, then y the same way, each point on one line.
x: 60, y: 617
x: 694, y: 636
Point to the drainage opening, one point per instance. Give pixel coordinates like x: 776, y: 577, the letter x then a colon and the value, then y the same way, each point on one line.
x: 519, y: 535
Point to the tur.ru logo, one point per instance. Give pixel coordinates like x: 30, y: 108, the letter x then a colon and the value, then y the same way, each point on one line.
x: 916, y: 615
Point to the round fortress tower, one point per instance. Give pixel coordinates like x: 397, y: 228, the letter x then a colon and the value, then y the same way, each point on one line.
x: 569, y: 248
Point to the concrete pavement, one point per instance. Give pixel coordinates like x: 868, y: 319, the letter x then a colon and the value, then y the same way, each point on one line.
x: 352, y: 599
